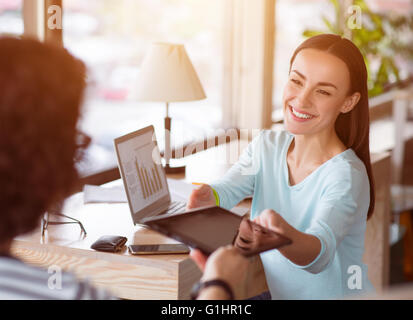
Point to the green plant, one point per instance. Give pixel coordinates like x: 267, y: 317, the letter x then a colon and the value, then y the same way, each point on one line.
x: 381, y: 38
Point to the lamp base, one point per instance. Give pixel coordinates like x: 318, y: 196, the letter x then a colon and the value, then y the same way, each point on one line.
x: 169, y: 169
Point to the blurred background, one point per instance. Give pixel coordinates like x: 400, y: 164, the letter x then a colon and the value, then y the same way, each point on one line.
x: 112, y: 38
x: 241, y: 51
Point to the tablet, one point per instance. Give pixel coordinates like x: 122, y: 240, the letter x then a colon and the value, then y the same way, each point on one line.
x: 209, y: 228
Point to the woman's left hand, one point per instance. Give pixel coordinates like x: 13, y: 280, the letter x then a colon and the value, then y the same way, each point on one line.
x: 304, y: 247
x: 274, y: 221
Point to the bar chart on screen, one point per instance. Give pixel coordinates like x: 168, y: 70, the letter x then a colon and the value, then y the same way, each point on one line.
x: 142, y: 169
x: 149, y: 179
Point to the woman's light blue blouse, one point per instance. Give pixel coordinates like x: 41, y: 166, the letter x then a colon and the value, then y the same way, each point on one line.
x: 331, y: 204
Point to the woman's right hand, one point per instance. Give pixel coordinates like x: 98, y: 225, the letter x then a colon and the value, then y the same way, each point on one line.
x: 201, y: 197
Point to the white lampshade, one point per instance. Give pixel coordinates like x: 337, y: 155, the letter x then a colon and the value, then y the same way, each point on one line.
x: 167, y: 75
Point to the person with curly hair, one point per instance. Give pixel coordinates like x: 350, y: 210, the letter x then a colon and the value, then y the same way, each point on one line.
x: 40, y: 102
x: 41, y: 91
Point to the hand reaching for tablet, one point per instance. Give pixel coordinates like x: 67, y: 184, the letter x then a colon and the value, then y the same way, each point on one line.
x: 201, y: 197
x: 226, y: 263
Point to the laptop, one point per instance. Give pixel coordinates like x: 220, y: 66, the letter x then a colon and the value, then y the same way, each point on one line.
x: 143, y: 176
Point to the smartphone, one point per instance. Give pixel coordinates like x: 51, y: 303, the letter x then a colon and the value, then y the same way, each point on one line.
x: 158, y: 249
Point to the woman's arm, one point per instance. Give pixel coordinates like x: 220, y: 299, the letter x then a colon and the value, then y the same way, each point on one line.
x: 344, y: 203
x: 304, y: 248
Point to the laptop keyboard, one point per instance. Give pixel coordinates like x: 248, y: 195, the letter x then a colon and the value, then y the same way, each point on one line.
x: 176, y: 206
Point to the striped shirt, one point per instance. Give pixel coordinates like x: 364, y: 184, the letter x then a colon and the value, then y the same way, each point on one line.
x: 20, y: 281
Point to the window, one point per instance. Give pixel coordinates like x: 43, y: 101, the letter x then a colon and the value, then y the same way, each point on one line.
x: 292, y: 18
x: 112, y: 38
x: 11, y: 22
x: 397, y: 8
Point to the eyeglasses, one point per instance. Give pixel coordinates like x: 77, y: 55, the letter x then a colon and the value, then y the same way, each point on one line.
x: 46, y: 221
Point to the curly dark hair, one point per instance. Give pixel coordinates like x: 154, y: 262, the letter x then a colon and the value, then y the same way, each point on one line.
x: 41, y: 90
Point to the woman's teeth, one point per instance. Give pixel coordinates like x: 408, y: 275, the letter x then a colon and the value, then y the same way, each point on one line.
x: 300, y: 115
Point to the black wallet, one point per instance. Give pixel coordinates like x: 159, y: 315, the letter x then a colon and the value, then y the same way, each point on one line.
x: 109, y: 243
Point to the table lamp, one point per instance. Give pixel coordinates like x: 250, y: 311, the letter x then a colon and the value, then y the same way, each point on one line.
x: 167, y: 75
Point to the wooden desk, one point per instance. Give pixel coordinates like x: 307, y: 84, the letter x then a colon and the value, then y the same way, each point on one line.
x: 125, y: 276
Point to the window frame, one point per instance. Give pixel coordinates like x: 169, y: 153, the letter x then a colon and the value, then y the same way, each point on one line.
x: 35, y: 20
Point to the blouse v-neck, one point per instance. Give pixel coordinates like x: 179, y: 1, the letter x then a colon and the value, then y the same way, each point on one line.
x: 312, y: 174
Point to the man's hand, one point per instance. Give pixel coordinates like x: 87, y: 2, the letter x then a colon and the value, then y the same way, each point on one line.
x: 228, y: 264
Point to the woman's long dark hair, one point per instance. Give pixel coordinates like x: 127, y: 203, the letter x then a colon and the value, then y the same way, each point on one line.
x: 352, y: 127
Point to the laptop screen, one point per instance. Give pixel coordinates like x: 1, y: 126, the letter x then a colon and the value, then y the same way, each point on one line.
x: 142, y: 173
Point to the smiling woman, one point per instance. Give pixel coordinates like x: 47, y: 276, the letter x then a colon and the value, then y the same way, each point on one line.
x: 312, y: 182
x: 339, y: 60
